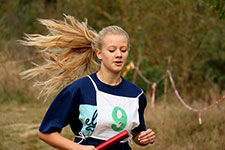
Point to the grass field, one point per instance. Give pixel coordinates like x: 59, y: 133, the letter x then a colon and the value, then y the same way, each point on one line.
x: 176, y: 128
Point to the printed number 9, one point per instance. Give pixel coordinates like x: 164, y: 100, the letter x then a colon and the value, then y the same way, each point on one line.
x: 121, y: 121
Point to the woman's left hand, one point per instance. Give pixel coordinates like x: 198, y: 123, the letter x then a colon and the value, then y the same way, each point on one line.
x: 146, y: 137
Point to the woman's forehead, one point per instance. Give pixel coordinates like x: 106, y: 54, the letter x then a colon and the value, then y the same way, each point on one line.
x: 115, y: 38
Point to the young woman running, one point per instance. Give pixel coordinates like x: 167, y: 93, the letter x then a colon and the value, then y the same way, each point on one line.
x: 94, y: 99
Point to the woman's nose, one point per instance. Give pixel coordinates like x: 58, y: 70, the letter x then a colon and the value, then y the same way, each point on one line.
x: 118, y: 53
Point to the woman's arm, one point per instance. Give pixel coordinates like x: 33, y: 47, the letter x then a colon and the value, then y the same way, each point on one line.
x: 144, y: 137
x: 56, y: 140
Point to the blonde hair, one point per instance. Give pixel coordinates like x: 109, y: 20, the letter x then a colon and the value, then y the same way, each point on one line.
x: 97, y: 42
x: 68, y: 51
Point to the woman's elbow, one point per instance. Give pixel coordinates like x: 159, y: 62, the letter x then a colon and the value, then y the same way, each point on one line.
x: 41, y: 135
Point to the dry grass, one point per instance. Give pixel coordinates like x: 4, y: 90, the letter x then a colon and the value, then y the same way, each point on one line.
x: 177, y: 128
x: 19, y: 126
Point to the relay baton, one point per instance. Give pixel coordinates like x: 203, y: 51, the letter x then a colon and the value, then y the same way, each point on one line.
x: 117, y: 138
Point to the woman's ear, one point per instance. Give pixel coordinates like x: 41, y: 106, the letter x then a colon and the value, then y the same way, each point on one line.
x: 98, y: 54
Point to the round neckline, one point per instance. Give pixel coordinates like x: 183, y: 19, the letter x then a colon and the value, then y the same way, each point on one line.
x: 107, y: 85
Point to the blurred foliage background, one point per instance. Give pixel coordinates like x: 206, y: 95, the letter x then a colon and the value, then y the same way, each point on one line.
x: 190, y: 32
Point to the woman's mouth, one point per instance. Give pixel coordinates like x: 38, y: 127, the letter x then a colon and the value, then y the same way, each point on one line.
x: 118, y: 63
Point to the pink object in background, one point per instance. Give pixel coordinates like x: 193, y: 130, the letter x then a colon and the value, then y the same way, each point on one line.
x: 153, y: 94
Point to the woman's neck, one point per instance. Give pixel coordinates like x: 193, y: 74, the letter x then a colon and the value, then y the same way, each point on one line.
x: 109, y: 78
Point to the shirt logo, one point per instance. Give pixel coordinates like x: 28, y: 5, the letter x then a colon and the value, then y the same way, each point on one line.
x: 88, y: 117
x: 91, y: 123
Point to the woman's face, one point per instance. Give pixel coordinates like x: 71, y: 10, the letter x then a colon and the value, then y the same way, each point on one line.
x: 114, y: 53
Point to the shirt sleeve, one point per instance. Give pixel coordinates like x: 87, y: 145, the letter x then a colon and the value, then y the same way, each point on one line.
x: 60, y: 110
x: 142, y: 105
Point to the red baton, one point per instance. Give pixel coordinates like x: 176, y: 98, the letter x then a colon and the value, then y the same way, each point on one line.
x: 117, y: 138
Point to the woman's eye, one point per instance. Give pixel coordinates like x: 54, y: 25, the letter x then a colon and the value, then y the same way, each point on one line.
x: 111, y: 50
x: 123, y: 50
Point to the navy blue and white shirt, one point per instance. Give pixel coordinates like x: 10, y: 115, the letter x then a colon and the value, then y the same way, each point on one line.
x: 76, y: 105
